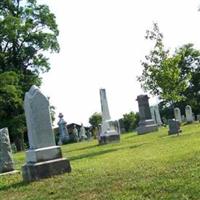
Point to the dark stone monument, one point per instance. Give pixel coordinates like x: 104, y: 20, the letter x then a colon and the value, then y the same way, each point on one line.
x: 174, y: 127
x: 146, y: 123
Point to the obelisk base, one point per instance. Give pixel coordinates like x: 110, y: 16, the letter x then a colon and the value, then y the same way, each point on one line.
x: 146, y: 126
x: 111, y: 137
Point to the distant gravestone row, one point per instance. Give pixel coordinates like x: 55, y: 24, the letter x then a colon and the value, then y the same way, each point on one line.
x: 188, y: 113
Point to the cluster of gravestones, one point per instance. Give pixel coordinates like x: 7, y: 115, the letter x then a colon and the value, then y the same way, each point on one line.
x: 44, y: 158
x: 76, y: 135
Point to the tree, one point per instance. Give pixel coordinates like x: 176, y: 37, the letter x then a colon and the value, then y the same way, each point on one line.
x: 162, y: 74
x: 190, y: 64
x: 95, y: 119
x: 129, y: 121
x: 11, y: 106
x: 26, y: 31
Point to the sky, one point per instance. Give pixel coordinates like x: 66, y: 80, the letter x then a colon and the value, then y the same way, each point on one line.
x: 102, y: 44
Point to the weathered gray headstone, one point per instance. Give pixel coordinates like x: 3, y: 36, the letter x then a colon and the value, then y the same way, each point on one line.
x: 108, y: 132
x: 44, y: 158
x: 75, y: 133
x: 177, y: 114
x: 82, y: 134
x: 155, y: 114
x: 146, y: 123
x: 63, y: 132
x: 6, y: 161
x: 188, y: 114
x: 174, y: 127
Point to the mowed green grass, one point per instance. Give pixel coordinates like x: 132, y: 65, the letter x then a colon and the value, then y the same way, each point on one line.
x: 151, y: 166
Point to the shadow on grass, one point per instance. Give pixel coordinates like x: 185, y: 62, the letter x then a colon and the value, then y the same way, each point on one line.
x: 137, y: 145
x: 13, y: 186
x: 98, y: 153
x: 84, y: 148
x: 93, y: 154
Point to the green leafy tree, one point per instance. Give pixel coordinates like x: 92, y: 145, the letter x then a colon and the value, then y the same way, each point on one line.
x: 190, y: 64
x: 95, y: 119
x: 27, y: 30
x: 162, y: 74
x: 11, y: 106
x: 129, y: 121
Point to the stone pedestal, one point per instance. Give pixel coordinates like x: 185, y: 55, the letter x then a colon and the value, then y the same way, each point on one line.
x: 109, y: 131
x: 146, y: 124
x: 39, y: 170
x: 109, y: 137
x: 44, y: 158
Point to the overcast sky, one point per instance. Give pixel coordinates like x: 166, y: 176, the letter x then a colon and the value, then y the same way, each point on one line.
x: 102, y: 43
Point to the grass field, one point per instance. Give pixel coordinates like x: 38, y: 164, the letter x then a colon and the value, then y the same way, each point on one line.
x: 151, y: 166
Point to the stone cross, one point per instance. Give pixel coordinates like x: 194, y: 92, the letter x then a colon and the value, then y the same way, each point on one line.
x: 177, y: 114
x: 6, y: 161
x: 188, y: 113
x: 63, y: 132
x: 44, y: 158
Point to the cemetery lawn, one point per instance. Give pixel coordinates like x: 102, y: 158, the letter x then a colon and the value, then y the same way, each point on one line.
x: 151, y: 166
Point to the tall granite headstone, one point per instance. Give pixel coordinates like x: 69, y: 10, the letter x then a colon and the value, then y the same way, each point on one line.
x: 63, y: 132
x: 108, y: 131
x: 146, y: 123
x: 155, y: 114
x: 6, y: 161
x: 177, y: 114
x: 44, y: 158
x: 188, y: 114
